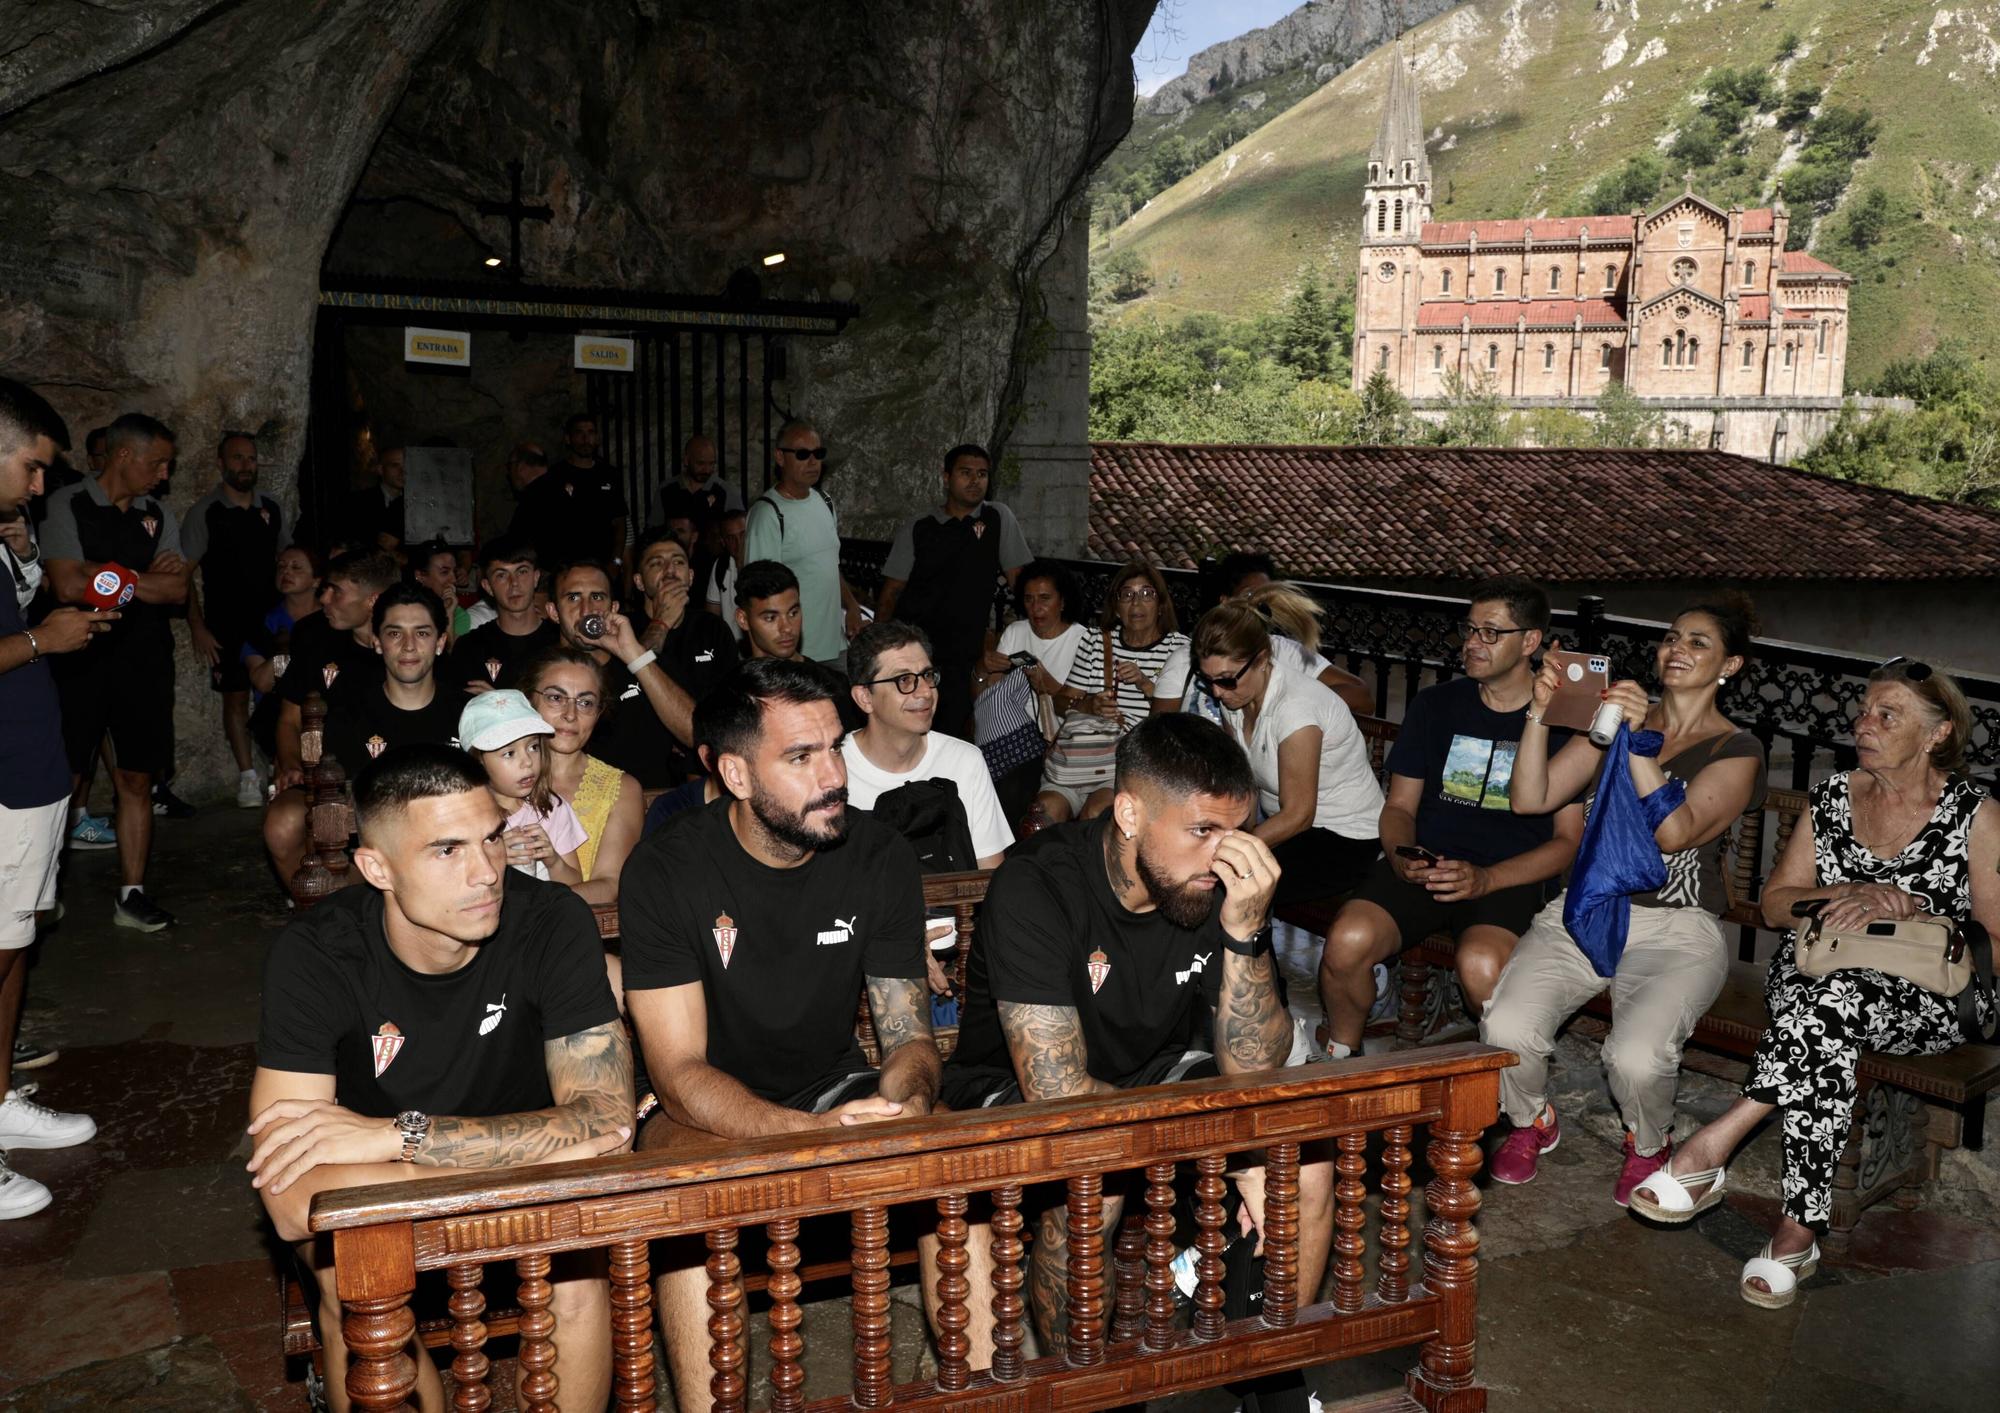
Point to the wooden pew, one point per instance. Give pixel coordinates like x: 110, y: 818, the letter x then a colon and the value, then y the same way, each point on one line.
x: 1124, y: 1342
x: 1910, y: 1109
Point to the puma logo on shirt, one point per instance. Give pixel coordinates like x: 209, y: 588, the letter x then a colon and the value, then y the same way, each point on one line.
x: 494, y: 1015
x: 841, y: 931
x: 1200, y: 961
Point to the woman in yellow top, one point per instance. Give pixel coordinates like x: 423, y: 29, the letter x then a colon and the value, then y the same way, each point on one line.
x: 567, y: 688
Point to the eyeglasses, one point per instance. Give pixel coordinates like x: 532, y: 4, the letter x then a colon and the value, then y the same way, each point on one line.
x: 1140, y: 594
x: 906, y: 682
x: 586, y: 704
x: 805, y: 453
x: 1227, y: 681
x: 1486, y: 634
x: 1910, y: 669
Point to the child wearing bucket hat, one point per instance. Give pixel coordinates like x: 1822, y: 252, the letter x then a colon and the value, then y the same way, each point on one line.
x: 504, y: 734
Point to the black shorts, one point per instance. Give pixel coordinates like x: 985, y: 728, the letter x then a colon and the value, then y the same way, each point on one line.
x: 1417, y: 914
x: 134, y: 703
x: 229, y: 674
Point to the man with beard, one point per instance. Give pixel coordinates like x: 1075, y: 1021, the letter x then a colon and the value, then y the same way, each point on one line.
x: 491, y: 655
x: 1476, y: 870
x: 650, y: 730
x: 233, y: 534
x: 1109, y: 946
x: 451, y: 1016
x: 752, y: 926
x: 368, y: 715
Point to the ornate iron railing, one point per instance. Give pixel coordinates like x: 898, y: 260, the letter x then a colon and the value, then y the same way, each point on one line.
x: 1799, y: 700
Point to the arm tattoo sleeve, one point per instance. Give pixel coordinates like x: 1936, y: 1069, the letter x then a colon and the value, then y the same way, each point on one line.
x: 911, y: 1066
x: 1252, y: 1030
x: 1046, y: 1043
x: 590, y: 1075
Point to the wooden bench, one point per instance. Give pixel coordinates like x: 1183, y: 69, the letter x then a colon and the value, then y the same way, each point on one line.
x: 1910, y: 1108
x: 1125, y: 1343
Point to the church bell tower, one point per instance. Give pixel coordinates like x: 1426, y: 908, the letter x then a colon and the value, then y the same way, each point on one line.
x: 1395, y: 204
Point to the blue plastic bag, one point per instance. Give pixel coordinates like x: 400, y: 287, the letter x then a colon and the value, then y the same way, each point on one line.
x: 1618, y: 856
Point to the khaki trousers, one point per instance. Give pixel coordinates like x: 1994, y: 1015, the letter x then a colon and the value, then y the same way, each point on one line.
x: 1673, y: 968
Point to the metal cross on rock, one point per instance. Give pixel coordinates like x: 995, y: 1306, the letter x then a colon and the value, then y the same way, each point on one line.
x: 515, y: 213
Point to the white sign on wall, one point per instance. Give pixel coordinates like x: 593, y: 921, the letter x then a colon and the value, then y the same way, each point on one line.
x: 450, y: 347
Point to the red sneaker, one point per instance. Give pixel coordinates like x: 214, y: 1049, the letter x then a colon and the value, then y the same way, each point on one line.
x: 1520, y: 1154
x: 1638, y: 1167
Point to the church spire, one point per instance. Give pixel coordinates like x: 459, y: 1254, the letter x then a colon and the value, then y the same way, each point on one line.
x: 1401, y: 137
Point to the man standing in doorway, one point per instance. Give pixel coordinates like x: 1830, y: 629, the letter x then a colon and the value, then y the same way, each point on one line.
x: 34, y: 785
x: 234, y: 534
x: 375, y: 513
x: 96, y: 529
x: 794, y: 523
x: 591, y: 513
x: 942, y: 571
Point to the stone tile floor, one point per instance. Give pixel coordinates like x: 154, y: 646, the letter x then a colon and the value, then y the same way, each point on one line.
x: 148, y: 1286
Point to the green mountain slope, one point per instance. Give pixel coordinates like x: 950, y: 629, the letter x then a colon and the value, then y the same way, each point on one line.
x: 1530, y: 104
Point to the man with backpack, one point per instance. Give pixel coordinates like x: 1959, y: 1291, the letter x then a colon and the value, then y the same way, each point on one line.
x: 794, y: 523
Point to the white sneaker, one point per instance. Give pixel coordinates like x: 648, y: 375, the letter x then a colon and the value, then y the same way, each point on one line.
x: 19, y: 1196
x: 249, y: 793
x: 28, y: 1125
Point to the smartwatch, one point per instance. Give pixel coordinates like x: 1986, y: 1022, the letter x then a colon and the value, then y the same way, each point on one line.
x: 415, y: 1126
x: 1257, y: 946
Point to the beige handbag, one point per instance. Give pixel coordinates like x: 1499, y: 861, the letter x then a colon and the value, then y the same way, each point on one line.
x: 1945, y: 959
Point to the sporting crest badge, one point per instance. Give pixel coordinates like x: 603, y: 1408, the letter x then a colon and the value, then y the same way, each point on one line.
x: 725, y: 937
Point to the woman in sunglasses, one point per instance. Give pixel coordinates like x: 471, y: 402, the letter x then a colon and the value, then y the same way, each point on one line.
x: 1316, y: 789
x: 1903, y: 834
x: 567, y: 688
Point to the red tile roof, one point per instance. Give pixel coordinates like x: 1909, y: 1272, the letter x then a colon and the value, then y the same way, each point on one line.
x: 1753, y: 308
x: 1569, y: 516
x: 1503, y: 313
x: 1757, y: 220
x: 1797, y: 262
x: 1605, y: 228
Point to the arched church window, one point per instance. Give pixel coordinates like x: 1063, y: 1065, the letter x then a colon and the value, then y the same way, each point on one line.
x: 1604, y: 355
x: 1499, y: 281
x: 1437, y: 357
x: 1555, y: 278
x: 1399, y: 213
x: 1408, y: 170
x: 1822, y: 336
x: 1548, y: 356
x: 1666, y: 353
x: 1611, y: 277
x: 1788, y: 355
x: 1749, y: 352
x: 1381, y: 216
x: 1492, y: 355
x: 1374, y: 171
x: 1382, y: 358
x: 1749, y: 272
x: 1694, y: 352
x: 1444, y: 285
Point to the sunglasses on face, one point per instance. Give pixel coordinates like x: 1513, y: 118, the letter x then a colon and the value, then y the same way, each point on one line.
x: 805, y: 453
x: 906, y: 682
x: 1227, y: 681
x: 1486, y: 634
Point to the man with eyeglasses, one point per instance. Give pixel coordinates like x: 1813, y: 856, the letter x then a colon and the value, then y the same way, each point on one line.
x: 491, y: 655
x: 1455, y: 856
x: 794, y: 523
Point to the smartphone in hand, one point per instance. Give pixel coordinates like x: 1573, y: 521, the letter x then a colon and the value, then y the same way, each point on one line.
x: 1416, y: 853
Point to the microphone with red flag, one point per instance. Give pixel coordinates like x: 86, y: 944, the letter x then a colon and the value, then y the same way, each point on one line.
x: 111, y: 587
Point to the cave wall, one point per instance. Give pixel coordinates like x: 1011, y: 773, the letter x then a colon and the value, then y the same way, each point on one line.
x: 174, y: 173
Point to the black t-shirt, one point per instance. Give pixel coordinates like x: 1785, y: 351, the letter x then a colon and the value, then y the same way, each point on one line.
x: 567, y: 512
x: 1464, y: 751
x: 491, y: 655
x: 322, y: 656
x: 236, y: 546
x: 33, y: 769
x: 631, y: 736
x: 469, y: 1043
x: 362, y: 723
x: 1054, y: 934
x: 782, y: 954
x: 371, y: 514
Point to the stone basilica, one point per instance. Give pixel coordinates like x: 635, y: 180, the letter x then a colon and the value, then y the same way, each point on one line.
x: 1687, y: 303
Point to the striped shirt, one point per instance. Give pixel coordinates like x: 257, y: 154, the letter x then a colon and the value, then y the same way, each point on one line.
x: 1086, y: 674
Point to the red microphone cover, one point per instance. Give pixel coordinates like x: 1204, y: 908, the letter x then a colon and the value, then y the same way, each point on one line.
x: 112, y: 586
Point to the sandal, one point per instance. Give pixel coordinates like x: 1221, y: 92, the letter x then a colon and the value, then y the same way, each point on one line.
x: 1664, y: 1197
x: 1781, y: 1273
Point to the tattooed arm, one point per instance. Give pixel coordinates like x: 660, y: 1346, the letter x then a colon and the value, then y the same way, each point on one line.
x: 307, y: 1143
x: 1046, y: 1043
x: 910, y: 1062
x: 1252, y: 1029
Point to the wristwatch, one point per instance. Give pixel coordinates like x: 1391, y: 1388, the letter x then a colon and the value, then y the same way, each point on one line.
x: 415, y: 1126
x: 1259, y: 943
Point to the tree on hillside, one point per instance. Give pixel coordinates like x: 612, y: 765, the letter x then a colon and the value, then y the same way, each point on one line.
x: 1306, y: 344
x: 1945, y: 374
x: 1384, y: 417
x: 1629, y: 188
x: 1869, y: 218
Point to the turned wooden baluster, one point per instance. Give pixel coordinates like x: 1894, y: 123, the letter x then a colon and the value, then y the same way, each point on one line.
x: 537, y: 1387
x: 963, y: 914
x: 469, y: 1364
x: 1442, y: 1381
x: 1128, y: 1265
x: 788, y: 1375
x: 1209, y: 1241
x: 871, y: 1307
x: 1393, y: 1285
x: 726, y: 1354
x: 1159, y: 1256
x: 634, y: 1384
x: 1415, y: 1002
x: 374, y: 1273
x: 1348, y: 1220
x: 1008, y: 1307
x: 953, y: 1290
x: 1085, y: 1345
x: 1281, y: 1235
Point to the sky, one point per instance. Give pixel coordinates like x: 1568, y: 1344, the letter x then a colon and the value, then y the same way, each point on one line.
x: 1184, y: 27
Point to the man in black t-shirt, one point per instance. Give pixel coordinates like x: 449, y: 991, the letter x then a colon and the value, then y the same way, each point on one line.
x: 577, y: 506
x: 1476, y: 869
x: 233, y: 534
x: 651, y: 722
x: 335, y: 643
x: 454, y: 1014
x: 1109, y: 946
x: 373, y: 523
x: 491, y: 655
x: 126, y: 685
x: 752, y: 927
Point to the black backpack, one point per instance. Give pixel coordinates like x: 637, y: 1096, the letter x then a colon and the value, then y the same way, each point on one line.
x: 930, y: 815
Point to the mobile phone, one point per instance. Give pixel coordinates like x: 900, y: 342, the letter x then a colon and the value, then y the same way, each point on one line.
x: 1023, y: 659
x: 1582, y: 680
x: 1415, y: 853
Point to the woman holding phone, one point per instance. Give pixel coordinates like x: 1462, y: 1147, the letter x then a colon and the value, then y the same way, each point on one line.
x: 1675, y: 957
